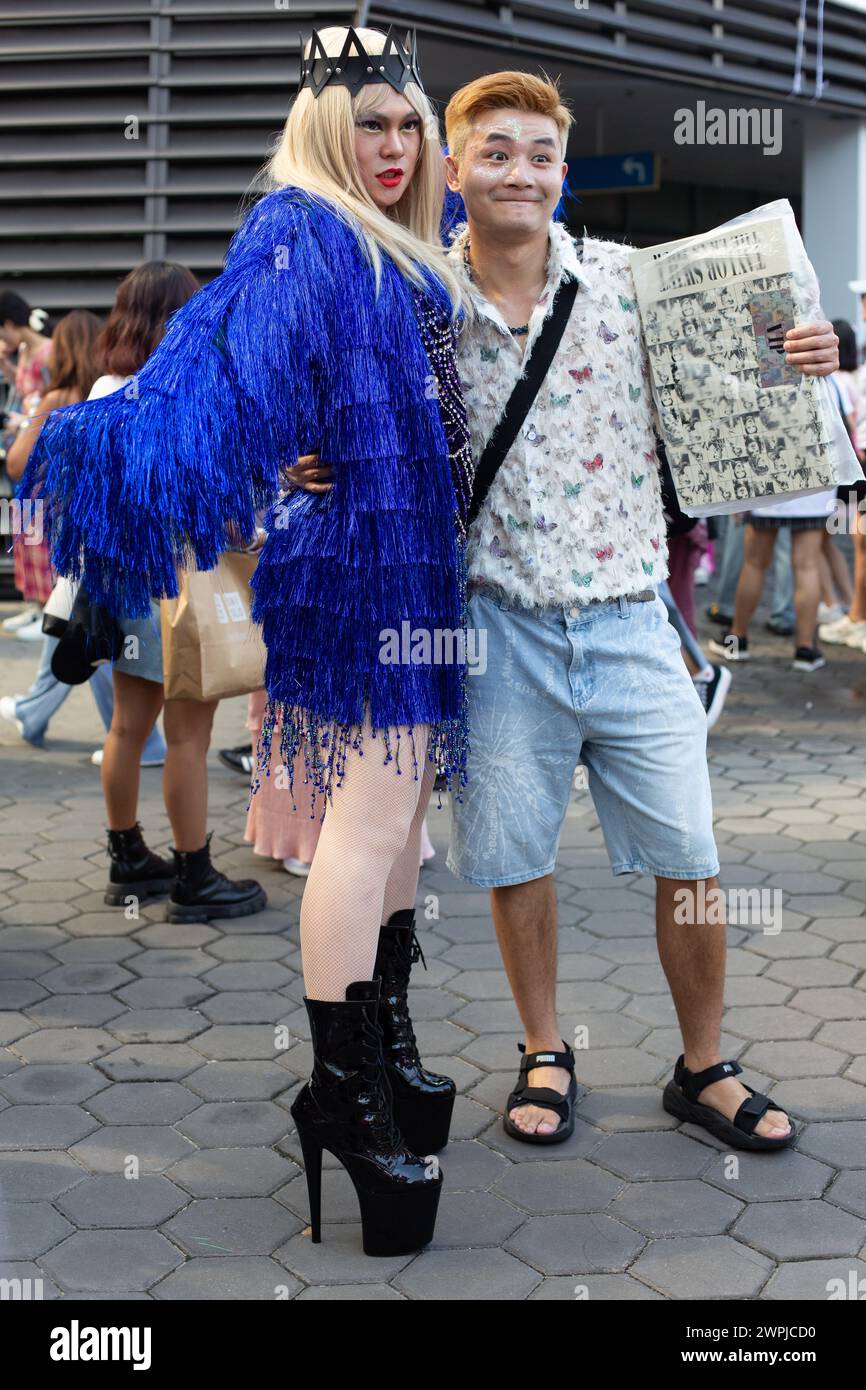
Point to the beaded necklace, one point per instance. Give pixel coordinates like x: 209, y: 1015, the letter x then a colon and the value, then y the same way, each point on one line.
x: 440, y: 344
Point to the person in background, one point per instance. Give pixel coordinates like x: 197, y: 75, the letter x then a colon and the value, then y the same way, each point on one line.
x: 25, y: 352
x: 70, y: 377
x: 145, y: 301
x: 849, y: 629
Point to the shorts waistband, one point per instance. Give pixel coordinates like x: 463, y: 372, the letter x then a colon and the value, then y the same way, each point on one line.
x: 486, y: 589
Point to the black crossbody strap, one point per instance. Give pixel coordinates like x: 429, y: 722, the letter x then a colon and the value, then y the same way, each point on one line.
x: 525, y: 391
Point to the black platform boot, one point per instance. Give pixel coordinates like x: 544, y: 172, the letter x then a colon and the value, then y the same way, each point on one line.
x: 423, y: 1100
x: 200, y: 892
x: 346, y: 1108
x: 135, y: 870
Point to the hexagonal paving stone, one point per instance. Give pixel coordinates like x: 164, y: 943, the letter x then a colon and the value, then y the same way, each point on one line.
x: 570, y: 1186
x: 750, y: 1177
x: 702, y: 1267
x: 227, y: 1279
x: 488, y: 1275
x: 684, y: 1207
x: 626, y: 1108
x: 798, y: 1230
x: 143, y: 1102
x: 592, y: 1243
x: 238, y: 1080
x: 215, y: 1226
x: 66, y: 1045
x: 29, y: 1229
x: 653, y: 1156
x: 109, y: 1149
x: 43, y: 1126
x: 818, y: 1280
x: 842, y: 1143
x: 230, y: 1124
x: 339, y: 1257
x: 794, y: 1058
x: 41, y: 1084
x: 112, y: 1261
x: 150, y: 1062
x: 114, y: 1201
x: 233, y: 1172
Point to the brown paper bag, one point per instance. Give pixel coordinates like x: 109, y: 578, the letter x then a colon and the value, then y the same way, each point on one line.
x: 210, y: 647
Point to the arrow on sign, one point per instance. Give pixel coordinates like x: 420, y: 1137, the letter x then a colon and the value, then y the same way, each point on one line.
x: 636, y: 167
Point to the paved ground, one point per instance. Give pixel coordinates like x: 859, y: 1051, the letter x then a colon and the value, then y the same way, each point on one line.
x: 126, y: 1041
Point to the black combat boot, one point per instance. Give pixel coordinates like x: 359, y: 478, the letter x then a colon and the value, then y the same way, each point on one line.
x: 135, y: 870
x: 200, y: 892
x: 346, y: 1108
x: 423, y: 1100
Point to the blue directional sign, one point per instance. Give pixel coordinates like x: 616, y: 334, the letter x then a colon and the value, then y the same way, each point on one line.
x: 614, y: 173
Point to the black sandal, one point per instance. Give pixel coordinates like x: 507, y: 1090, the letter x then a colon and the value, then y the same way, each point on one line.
x: 681, y: 1099
x: 524, y: 1094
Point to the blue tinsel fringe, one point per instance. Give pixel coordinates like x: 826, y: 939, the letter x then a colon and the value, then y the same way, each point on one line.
x: 288, y: 351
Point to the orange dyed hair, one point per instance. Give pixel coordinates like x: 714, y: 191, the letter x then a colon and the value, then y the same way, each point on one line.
x: 521, y: 91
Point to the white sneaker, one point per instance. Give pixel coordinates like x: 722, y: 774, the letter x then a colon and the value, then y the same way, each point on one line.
x: 703, y: 571
x: 7, y: 711
x: 32, y: 631
x: 836, y: 632
x: 296, y: 867
x: 857, y: 636
x: 20, y: 620
x: 96, y: 759
x: 830, y: 613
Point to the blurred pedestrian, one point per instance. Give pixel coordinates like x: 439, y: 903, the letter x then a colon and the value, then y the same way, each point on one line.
x: 25, y: 351
x: 145, y: 301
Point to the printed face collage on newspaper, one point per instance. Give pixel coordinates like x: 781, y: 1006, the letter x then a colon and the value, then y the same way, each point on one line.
x: 738, y: 421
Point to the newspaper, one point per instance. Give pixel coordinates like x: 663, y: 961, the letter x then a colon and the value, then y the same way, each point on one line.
x: 741, y: 426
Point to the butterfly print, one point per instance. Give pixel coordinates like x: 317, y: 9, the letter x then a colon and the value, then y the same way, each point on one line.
x: 605, y: 554
x: 592, y: 464
x: 621, y: 509
x: 637, y: 479
x: 495, y: 548
x: 606, y: 334
x: 651, y: 458
x: 533, y: 437
x: 647, y: 568
x: 542, y: 525
x: 654, y: 542
x: 572, y: 489
x: 627, y: 303
x: 616, y: 421
x: 561, y: 400
x: 515, y: 525
x: 583, y: 579
x: 581, y: 374
x: 489, y: 354
x: 633, y: 392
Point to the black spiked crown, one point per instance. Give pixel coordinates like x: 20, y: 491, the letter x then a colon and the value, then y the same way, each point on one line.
x: 354, y: 67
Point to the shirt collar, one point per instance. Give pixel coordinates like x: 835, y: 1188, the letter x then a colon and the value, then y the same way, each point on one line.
x: 562, y: 263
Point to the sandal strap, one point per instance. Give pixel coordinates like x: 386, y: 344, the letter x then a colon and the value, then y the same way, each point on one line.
x: 692, y: 1083
x: 530, y: 1060
x: 539, y: 1095
x: 752, y: 1110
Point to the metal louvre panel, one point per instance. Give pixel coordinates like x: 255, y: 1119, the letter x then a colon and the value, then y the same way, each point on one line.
x: 131, y: 129
x: 752, y: 51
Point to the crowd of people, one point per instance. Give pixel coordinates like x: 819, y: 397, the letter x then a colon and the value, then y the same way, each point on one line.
x: 284, y: 409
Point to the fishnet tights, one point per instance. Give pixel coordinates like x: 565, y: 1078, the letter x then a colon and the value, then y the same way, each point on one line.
x: 366, y: 862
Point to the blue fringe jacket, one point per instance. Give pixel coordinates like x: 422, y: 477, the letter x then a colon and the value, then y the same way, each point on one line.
x: 288, y: 351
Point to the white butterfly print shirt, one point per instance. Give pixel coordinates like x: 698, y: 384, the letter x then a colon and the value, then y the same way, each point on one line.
x: 575, y: 511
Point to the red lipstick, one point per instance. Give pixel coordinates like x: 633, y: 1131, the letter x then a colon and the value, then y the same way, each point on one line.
x: 390, y: 178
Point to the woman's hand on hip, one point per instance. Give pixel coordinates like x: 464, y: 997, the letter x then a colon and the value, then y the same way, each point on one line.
x: 309, y: 474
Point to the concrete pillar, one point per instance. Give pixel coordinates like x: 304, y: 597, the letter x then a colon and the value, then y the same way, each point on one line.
x: 834, y: 211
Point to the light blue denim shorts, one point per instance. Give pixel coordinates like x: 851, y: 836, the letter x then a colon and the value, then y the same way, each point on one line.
x: 602, y: 684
